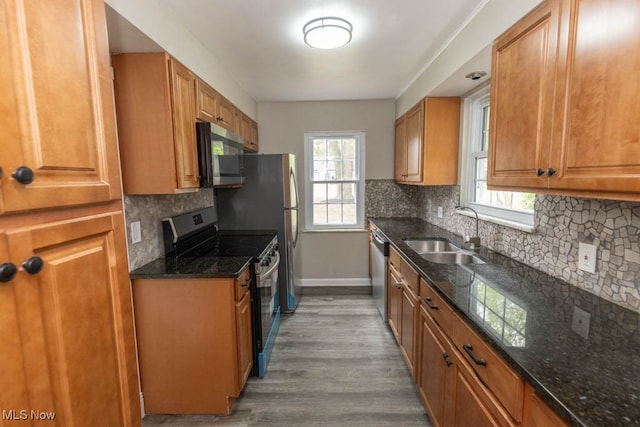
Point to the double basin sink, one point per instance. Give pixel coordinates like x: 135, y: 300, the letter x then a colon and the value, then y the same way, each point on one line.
x: 441, y: 251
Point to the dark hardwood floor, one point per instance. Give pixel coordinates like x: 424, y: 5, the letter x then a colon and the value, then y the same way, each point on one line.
x: 335, y: 363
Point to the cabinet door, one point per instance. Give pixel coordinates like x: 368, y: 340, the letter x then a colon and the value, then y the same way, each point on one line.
x: 414, y: 133
x: 394, y: 297
x: 206, y: 102
x: 434, y: 367
x: 522, y: 90
x: 400, y: 150
x: 598, y: 144
x: 76, y: 321
x: 407, y: 326
x: 243, y: 325
x: 57, y: 114
x: 226, y: 114
x: 184, y: 127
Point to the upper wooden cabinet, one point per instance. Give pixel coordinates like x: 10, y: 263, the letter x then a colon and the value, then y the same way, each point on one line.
x: 248, y: 132
x: 155, y: 105
x: 563, y: 117
x: 215, y: 108
x: 427, y: 139
x: 58, y: 132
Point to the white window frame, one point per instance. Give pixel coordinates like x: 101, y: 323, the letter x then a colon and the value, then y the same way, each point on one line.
x: 472, y: 125
x: 359, y: 180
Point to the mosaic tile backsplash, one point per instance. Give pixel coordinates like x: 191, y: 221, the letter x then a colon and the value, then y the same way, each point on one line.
x: 560, y: 224
x: 150, y: 210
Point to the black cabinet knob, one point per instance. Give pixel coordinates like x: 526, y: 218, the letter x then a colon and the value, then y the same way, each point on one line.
x: 7, y: 271
x: 33, y: 265
x: 23, y: 175
x: 540, y: 172
x: 551, y: 171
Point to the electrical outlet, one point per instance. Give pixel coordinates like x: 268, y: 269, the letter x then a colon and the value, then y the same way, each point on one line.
x: 440, y: 212
x: 580, y: 322
x: 136, y: 234
x: 587, y: 257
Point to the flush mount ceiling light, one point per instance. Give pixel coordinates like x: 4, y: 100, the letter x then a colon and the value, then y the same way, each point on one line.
x: 475, y: 75
x: 327, y: 32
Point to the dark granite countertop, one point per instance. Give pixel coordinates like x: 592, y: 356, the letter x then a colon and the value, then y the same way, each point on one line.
x: 193, y: 268
x: 221, y: 261
x: 526, y: 316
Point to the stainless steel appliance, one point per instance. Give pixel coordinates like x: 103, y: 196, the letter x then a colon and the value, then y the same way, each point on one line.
x: 379, y: 271
x: 267, y: 200
x: 220, y: 156
x: 195, y: 236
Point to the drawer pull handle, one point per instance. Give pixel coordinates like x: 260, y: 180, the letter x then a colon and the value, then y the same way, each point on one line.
x: 469, y: 349
x: 445, y: 356
x: 245, y: 284
x: 540, y: 172
x: 432, y: 306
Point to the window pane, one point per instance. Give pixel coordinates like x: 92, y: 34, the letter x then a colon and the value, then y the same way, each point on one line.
x: 481, y: 168
x: 335, y: 169
x: 481, y: 193
x: 349, y: 148
x: 349, y: 215
x: 484, y: 144
x: 319, y: 149
x: 334, y: 213
x: 348, y: 193
x: 320, y: 214
x: 334, y: 149
x: 319, y: 193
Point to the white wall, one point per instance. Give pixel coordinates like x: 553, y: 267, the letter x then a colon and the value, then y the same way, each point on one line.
x: 154, y: 19
x: 491, y: 21
x: 281, y: 129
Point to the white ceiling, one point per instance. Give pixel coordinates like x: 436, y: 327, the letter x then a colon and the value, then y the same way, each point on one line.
x: 260, y: 43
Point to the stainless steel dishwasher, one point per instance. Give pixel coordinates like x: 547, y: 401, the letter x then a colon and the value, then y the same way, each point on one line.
x: 379, y: 270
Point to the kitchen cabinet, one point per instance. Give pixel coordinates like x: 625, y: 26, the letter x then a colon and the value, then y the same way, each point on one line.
x: 426, y: 143
x: 212, y: 107
x: 248, y: 132
x: 155, y: 106
x: 563, y: 105
x: 201, y: 328
x: 403, y: 306
x: 57, y: 112
x: 539, y: 414
x: 66, y: 320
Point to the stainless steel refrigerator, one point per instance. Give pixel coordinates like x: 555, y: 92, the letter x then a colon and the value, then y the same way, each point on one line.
x: 268, y: 200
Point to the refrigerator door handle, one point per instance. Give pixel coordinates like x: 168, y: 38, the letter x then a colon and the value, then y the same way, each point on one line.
x: 294, y: 184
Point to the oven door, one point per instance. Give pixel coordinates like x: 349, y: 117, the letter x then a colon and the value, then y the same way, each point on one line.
x: 268, y: 289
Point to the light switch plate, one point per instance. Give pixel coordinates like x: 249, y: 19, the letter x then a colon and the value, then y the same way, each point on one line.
x: 136, y: 234
x: 587, y: 257
x: 440, y: 212
x: 580, y: 322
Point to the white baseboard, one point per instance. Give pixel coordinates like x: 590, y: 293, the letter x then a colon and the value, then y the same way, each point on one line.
x: 334, y: 282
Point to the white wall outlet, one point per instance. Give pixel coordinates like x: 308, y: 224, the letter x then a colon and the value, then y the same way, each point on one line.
x: 440, y: 212
x: 580, y: 322
x: 587, y: 257
x: 136, y: 234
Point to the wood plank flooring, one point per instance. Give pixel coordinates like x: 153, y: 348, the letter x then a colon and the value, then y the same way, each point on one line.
x: 334, y: 363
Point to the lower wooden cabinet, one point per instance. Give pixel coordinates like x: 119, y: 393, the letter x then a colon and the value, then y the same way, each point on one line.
x: 66, y: 322
x: 539, y: 414
x: 194, y: 342
x: 394, y: 302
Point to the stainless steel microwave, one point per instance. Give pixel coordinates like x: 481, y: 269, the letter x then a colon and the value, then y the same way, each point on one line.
x: 220, y: 156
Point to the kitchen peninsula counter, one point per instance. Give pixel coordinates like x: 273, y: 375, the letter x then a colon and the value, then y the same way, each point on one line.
x: 592, y: 381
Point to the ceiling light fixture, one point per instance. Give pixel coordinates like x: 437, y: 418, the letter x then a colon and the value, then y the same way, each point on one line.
x: 327, y: 32
x: 475, y: 75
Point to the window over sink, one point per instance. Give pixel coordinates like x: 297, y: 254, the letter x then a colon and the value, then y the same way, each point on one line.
x: 504, y: 207
x: 334, y: 175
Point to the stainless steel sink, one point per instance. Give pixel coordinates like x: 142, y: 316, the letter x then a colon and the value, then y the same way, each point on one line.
x: 451, y: 258
x: 430, y: 245
x: 441, y: 251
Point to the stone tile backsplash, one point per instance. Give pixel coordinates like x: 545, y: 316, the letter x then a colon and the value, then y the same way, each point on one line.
x: 149, y: 210
x: 560, y: 224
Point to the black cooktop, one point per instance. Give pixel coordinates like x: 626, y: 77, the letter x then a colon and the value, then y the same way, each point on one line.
x: 242, y: 242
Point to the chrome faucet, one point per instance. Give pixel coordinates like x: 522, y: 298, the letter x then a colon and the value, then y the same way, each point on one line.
x: 470, y: 242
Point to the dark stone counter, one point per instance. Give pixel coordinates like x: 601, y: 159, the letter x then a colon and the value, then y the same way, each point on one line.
x: 193, y: 268
x: 527, y: 317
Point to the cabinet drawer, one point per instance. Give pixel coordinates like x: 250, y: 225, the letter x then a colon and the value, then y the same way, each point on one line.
x: 436, y: 306
x: 505, y: 384
x: 407, y: 274
x: 242, y: 283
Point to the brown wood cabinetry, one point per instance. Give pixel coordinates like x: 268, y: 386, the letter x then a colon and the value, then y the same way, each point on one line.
x: 201, y: 328
x: 426, y: 143
x: 211, y: 106
x: 563, y: 107
x: 155, y: 104
x: 66, y: 321
x: 249, y: 133
x: 539, y: 414
x: 403, y: 306
x: 58, y: 128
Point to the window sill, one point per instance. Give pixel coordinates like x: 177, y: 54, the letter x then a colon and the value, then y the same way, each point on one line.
x: 511, y: 224
x: 336, y: 230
